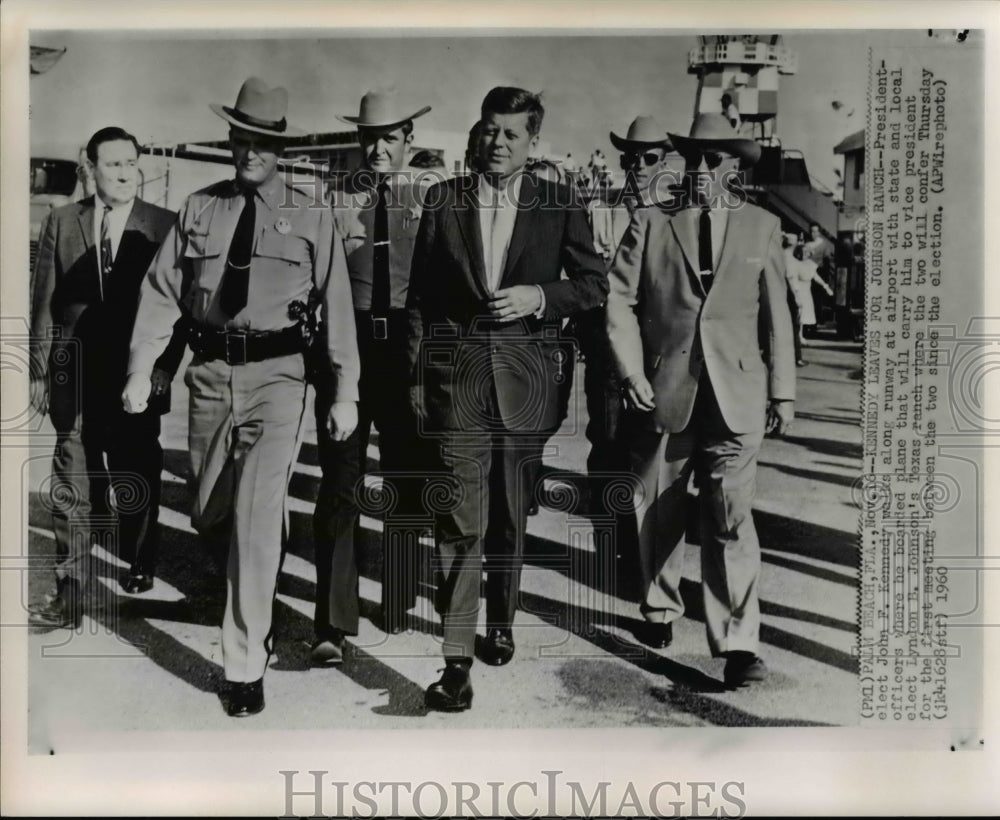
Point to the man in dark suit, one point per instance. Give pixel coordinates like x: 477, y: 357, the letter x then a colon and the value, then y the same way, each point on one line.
x: 690, y: 294
x: 486, y: 300
x: 92, y: 257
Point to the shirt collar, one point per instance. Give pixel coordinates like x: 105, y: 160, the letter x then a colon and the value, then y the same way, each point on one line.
x: 100, y: 205
x: 511, y: 188
x: 270, y: 193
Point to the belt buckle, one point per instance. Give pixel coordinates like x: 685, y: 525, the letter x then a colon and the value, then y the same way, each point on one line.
x: 380, y: 328
x: 236, y: 347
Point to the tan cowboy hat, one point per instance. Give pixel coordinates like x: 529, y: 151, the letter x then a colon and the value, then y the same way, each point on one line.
x: 381, y: 109
x: 259, y: 109
x: 713, y: 132
x: 644, y: 132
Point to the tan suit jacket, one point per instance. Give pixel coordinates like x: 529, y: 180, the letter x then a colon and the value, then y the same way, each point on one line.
x: 660, y: 322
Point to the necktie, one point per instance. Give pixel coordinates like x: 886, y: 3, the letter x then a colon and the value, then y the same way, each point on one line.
x: 107, y: 257
x: 381, y: 292
x: 236, y: 279
x: 705, y: 260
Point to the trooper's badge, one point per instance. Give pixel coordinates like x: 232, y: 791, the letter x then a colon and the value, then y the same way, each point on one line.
x: 282, y: 226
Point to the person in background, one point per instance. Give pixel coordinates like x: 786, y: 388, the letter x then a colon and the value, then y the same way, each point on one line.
x: 801, y: 277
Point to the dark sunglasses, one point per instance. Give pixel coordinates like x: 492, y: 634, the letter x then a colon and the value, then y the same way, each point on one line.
x: 649, y: 159
x: 713, y: 159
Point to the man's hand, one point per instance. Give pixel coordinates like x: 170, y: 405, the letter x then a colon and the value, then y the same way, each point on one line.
x: 342, y: 420
x: 135, y: 396
x: 779, y: 417
x: 38, y: 394
x: 161, y: 381
x: 513, y: 303
x: 639, y: 393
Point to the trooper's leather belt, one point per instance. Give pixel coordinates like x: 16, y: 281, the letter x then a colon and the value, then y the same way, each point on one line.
x: 237, y: 347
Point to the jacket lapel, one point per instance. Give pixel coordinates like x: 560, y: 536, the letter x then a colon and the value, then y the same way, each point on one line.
x: 527, y: 201
x: 683, y: 228
x: 86, y: 217
x: 135, y: 230
x: 731, y: 240
x: 467, y: 216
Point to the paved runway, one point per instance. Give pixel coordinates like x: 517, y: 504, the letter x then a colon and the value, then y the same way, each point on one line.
x: 152, y: 662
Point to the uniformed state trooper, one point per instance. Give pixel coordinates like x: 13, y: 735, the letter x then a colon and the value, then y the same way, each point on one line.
x: 245, y: 255
x: 377, y: 213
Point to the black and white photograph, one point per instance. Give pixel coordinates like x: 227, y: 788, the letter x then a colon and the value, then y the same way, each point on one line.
x: 550, y: 384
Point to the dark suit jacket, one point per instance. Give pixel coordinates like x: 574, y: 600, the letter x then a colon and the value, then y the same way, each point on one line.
x: 458, y: 352
x: 86, y: 359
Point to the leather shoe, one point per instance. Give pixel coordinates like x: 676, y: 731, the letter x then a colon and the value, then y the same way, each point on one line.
x: 137, y: 583
x: 328, y: 651
x: 498, y: 648
x: 245, y: 699
x: 656, y: 635
x: 453, y: 693
x: 61, y: 611
x: 743, y: 668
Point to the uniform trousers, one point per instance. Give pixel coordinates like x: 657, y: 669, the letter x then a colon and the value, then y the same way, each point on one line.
x: 405, y: 460
x: 244, y: 437
x: 725, y: 468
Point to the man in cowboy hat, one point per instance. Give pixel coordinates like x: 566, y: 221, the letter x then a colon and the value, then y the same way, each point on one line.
x: 486, y: 300
x: 241, y: 252
x: 687, y: 292
x: 376, y: 212
x: 644, y: 151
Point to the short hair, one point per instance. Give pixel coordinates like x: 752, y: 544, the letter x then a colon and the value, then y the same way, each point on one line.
x: 110, y: 134
x: 815, y: 225
x: 797, y: 253
x: 509, y: 100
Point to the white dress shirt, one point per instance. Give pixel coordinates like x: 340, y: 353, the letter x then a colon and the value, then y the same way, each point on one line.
x: 497, y: 214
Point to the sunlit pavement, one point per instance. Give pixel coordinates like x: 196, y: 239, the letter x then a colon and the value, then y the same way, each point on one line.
x: 152, y: 662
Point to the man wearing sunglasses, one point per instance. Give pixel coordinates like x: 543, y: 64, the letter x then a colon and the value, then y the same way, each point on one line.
x: 643, y: 159
x: 690, y: 294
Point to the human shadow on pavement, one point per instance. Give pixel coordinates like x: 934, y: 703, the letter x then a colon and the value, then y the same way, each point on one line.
x: 812, y: 475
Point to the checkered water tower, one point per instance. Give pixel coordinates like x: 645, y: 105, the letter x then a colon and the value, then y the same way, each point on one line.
x: 745, y: 66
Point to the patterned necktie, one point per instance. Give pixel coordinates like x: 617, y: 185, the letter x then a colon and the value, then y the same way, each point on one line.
x: 107, y: 257
x: 705, y: 256
x: 381, y: 292
x: 236, y: 280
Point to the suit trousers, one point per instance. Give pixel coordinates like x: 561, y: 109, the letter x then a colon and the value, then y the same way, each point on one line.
x: 493, y: 476
x: 244, y: 436
x: 81, y: 513
x: 724, y: 464
x: 405, y: 458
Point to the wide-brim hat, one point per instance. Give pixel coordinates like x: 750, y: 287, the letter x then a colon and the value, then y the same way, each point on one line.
x: 259, y: 109
x: 382, y: 109
x: 644, y: 132
x: 713, y: 132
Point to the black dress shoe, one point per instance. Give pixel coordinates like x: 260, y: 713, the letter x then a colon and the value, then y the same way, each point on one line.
x: 656, y: 635
x: 57, y: 613
x: 137, y: 583
x: 328, y: 650
x: 453, y: 693
x: 245, y: 698
x: 498, y: 648
x: 743, y: 668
